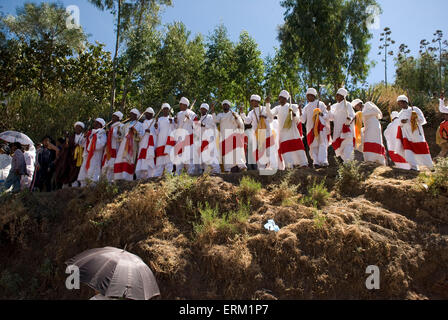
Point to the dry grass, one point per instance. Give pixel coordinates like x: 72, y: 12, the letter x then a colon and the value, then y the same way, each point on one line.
x: 203, y: 241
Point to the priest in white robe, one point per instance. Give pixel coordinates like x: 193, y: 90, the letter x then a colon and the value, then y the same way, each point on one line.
x: 94, y: 143
x: 261, y: 134
x: 231, y: 137
x: 315, y: 116
x: 130, y: 135
x: 291, y: 149
x: 394, y: 145
x: 372, y: 144
x: 184, y: 138
x: 342, y: 115
x: 112, y: 145
x: 165, y: 142
x: 205, y: 144
x: 146, y: 165
x: 412, y: 135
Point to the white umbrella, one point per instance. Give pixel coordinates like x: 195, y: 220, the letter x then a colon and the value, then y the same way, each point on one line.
x: 14, y: 136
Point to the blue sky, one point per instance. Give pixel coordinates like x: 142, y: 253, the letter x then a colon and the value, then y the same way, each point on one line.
x: 410, y: 21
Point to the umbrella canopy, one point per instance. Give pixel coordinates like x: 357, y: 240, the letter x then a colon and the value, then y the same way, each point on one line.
x: 14, y: 136
x: 116, y: 273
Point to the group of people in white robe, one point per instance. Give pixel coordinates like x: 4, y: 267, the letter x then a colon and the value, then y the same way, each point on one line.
x: 270, y: 138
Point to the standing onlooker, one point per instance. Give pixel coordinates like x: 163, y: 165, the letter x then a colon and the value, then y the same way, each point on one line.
x: 45, y: 165
x: 18, y: 168
x: 5, y: 164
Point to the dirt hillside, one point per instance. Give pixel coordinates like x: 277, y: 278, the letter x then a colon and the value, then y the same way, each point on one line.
x: 390, y: 219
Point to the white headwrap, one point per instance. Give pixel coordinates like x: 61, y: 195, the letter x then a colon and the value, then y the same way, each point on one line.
x: 226, y: 102
x: 205, y: 106
x: 403, y: 98
x: 119, y: 115
x: 184, y: 100
x: 150, y: 110
x: 356, y: 102
x: 394, y: 115
x: 79, y: 123
x: 370, y: 108
x: 343, y: 92
x: 166, y: 106
x: 312, y: 91
x: 284, y: 94
x: 101, y: 120
x: 255, y: 97
x: 136, y: 112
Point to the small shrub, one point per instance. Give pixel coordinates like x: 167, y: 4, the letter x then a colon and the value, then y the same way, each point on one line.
x: 211, y: 221
x: 248, y: 188
x: 284, y: 193
x: 319, y: 219
x: 349, y: 177
x: 317, y: 195
x: 437, y: 181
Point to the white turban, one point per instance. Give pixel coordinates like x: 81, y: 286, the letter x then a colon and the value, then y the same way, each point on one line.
x: 205, y: 106
x: 343, y: 92
x: 101, y: 120
x: 226, y: 102
x: 79, y: 123
x: 284, y: 94
x: 184, y: 100
x: 150, y: 110
x: 136, y: 112
x: 394, y: 115
x: 370, y: 108
x: 356, y: 102
x: 255, y: 97
x: 403, y: 98
x: 119, y: 115
x: 312, y: 91
x: 166, y: 106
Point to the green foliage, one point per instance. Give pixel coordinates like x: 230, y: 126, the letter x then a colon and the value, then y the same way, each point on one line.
x: 317, y: 195
x: 211, y: 219
x: 41, y: 43
x: 329, y: 39
x: 349, y: 177
x: 437, y: 181
x: 319, y: 219
x: 27, y: 112
x: 248, y: 188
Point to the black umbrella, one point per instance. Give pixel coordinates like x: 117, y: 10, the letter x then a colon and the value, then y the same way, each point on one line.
x: 116, y: 273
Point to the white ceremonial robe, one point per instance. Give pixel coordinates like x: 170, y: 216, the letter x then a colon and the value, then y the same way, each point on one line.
x: 290, y: 145
x: 416, y: 149
x: 164, y: 146
x: 278, y: 164
x: 261, y: 148
x: 124, y: 167
x: 205, y: 144
x: 442, y: 107
x: 93, y: 173
x: 343, y: 144
x: 318, y: 148
x: 394, y: 146
x: 146, y: 165
x: 112, y: 143
x: 30, y: 160
x: 184, y: 141
x: 231, y: 138
x: 373, y: 147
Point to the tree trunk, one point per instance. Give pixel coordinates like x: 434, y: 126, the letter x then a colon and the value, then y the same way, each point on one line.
x: 114, y: 73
